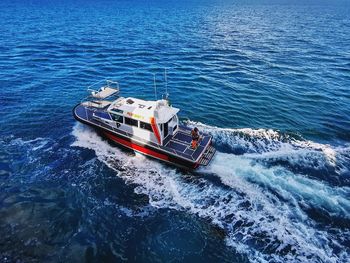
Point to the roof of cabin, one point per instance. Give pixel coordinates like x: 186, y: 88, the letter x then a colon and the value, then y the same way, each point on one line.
x: 143, y: 110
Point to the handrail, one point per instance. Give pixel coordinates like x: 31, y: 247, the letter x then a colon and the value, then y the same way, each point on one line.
x: 109, y: 83
x: 94, y: 88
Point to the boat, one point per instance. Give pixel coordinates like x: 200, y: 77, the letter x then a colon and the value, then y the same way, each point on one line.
x: 148, y: 127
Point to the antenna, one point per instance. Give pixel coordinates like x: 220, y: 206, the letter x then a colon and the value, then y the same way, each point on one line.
x: 166, y: 85
x: 155, y: 86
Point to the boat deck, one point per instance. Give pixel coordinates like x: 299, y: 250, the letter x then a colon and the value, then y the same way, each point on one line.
x: 181, y: 143
x: 178, y: 144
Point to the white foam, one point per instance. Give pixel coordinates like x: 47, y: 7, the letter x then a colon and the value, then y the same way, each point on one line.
x: 259, y: 205
x: 270, y: 145
x: 290, y: 186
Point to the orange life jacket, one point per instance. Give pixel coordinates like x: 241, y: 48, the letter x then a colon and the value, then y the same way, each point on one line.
x: 194, y: 144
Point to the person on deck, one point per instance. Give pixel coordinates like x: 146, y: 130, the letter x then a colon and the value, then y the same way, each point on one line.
x: 195, y: 137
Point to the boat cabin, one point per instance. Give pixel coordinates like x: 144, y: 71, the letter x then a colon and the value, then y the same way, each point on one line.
x: 154, y: 121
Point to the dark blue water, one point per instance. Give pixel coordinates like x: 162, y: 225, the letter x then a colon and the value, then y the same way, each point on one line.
x: 269, y: 80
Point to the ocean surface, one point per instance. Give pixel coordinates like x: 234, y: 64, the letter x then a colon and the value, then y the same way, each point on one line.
x: 270, y: 80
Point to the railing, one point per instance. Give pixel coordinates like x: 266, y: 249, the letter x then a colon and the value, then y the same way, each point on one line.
x: 95, y: 87
x: 108, y: 83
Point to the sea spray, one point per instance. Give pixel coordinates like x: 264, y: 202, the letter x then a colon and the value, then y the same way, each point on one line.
x: 273, y: 148
x: 260, y: 210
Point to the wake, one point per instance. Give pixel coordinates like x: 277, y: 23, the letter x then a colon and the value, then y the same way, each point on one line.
x: 272, y: 148
x: 262, y: 208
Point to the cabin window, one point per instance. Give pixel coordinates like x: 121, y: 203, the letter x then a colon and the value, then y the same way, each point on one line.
x: 131, y: 122
x: 166, y: 129
x: 117, y: 110
x: 117, y: 118
x: 145, y: 126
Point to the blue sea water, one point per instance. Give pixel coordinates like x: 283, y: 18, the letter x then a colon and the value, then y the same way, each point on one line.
x: 270, y: 80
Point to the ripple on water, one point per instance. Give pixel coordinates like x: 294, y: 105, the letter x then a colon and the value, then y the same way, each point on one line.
x: 278, y: 188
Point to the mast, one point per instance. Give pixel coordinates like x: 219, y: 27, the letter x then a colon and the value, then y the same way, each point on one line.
x: 166, y: 85
x: 155, y: 86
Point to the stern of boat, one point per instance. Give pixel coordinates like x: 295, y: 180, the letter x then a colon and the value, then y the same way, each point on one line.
x: 207, y: 156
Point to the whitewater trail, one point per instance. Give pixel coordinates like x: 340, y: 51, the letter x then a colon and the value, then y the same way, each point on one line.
x: 270, y: 146
x: 284, y: 184
x: 260, y: 208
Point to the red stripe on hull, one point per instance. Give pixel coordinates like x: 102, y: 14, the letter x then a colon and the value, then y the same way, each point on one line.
x: 136, y: 147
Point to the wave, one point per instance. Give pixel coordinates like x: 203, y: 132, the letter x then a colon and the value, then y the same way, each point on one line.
x: 273, y: 148
x: 285, y: 185
x: 260, y: 208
